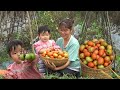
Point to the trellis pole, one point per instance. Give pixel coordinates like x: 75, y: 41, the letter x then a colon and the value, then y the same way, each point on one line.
x: 111, y: 39
x: 83, y: 27
x: 31, y: 33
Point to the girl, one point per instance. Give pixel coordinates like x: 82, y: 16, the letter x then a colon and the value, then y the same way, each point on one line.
x: 20, y: 69
x: 44, y: 43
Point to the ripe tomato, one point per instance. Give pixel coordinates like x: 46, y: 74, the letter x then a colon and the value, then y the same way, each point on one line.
x: 59, y: 57
x: 100, y: 60
x: 87, y: 54
x: 82, y: 47
x: 50, y: 54
x: 106, y: 64
x: 55, y: 55
x: 97, y: 57
x: 94, y: 56
x: 101, y: 52
x: 61, y: 53
x: 95, y: 52
x: 51, y: 57
x: 66, y: 55
x: 90, y: 64
x: 85, y: 50
x: 107, y: 59
x: 90, y: 43
x: 98, y: 45
x: 82, y: 56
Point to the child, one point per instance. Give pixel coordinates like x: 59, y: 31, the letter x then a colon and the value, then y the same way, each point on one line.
x: 20, y: 69
x: 44, y: 43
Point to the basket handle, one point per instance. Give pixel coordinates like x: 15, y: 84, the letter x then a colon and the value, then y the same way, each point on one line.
x: 106, y: 74
x: 115, y: 73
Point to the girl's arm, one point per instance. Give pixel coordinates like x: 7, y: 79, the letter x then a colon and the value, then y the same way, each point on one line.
x: 37, y: 46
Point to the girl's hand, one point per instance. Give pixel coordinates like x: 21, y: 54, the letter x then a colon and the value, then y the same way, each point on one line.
x: 50, y: 65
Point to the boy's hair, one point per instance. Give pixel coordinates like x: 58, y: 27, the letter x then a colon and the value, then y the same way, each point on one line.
x: 43, y: 29
x: 68, y: 23
x: 13, y: 44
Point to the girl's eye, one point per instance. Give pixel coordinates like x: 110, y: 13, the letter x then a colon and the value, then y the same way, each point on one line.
x: 15, y: 53
x: 21, y: 52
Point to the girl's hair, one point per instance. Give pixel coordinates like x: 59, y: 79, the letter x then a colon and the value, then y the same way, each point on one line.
x: 43, y: 29
x: 68, y: 23
x: 13, y: 44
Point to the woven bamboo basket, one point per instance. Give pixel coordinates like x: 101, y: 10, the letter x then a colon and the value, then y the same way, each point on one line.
x: 104, y: 73
x: 57, y: 62
x: 96, y: 73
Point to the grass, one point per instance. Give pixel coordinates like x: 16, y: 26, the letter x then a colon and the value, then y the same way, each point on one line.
x: 65, y: 76
x: 56, y: 76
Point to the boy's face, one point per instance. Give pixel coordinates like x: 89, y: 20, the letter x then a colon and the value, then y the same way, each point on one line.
x: 15, y: 53
x: 44, y: 36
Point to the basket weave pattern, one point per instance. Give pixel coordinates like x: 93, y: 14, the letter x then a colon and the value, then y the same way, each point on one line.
x: 95, y: 73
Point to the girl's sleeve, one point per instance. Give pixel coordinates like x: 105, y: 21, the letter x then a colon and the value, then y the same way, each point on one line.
x: 37, y: 47
x: 10, y: 75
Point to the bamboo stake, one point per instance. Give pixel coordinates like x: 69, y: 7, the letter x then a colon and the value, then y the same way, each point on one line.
x: 106, y: 74
x: 83, y: 27
x: 111, y: 38
x: 31, y: 33
x: 115, y: 73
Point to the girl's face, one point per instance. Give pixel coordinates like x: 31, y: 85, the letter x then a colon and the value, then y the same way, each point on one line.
x: 64, y: 32
x: 15, y: 53
x: 44, y: 36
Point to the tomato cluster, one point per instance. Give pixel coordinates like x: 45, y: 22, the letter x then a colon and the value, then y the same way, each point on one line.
x: 96, y: 53
x: 54, y: 54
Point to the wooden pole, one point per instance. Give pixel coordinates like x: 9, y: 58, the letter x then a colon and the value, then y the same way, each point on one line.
x: 31, y: 33
x: 106, y: 74
x: 115, y: 73
x: 111, y: 40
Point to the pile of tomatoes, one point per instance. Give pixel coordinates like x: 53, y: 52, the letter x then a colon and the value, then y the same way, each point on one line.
x: 54, y: 53
x: 96, y: 53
